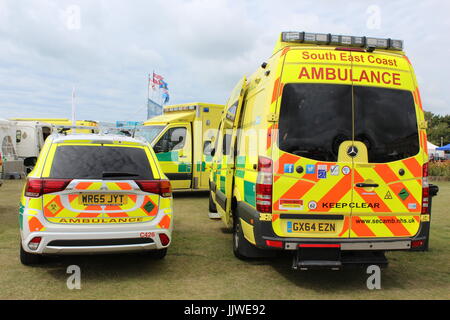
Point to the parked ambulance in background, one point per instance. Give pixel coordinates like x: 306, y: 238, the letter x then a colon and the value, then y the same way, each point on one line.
x: 30, y: 137
x: 32, y: 133
x: 10, y: 164
x: 323, y: 151
x: 181, y: 138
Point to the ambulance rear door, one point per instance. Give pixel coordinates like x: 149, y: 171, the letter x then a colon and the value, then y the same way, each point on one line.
x: 388, y: 161
x: 312, y: 179
x: 224, y: 191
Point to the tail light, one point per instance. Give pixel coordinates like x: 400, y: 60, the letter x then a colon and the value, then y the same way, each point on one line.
x: 164, y: 238
x: 34, y: 243
x: 161, y: 187
x: 38, y: 187
x: 264, y: 185
x: 425, y: 189
x: 417, y: 243
x: 275, y: 244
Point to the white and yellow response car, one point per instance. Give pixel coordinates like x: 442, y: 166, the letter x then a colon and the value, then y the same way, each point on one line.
x: 91, y: 193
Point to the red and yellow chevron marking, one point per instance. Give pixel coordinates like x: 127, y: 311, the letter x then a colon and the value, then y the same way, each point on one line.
x: 277, y: 89
x: 392, y: 180
x: 165, y: 222
x: 88, y: 186
x: 54, y: 209
x: 397, y: 217
x: 34, y: 224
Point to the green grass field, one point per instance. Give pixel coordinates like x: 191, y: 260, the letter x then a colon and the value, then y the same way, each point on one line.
x: 200, y: 265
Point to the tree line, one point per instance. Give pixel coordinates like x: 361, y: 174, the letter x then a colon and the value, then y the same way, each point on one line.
x: 438, y: 126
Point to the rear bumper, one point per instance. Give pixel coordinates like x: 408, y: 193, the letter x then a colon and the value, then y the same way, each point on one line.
x: 264, y: 234
x: 93, y: 243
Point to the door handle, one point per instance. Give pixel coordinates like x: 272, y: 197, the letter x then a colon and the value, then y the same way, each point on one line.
x: 367, y: 185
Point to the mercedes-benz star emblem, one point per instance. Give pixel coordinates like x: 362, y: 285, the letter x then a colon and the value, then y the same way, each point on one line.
x: 352, y: 151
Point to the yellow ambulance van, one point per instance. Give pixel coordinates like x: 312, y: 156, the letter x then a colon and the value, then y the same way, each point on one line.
x: 181, y: 138
x: 322, y: 151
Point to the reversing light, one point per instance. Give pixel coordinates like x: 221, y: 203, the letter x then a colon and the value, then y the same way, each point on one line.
x: 34, y: 243
x: 164, y: 238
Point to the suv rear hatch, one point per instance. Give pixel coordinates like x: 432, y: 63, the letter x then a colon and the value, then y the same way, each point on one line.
x: 100, y: 184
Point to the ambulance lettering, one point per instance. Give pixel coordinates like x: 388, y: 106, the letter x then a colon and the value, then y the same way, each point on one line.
x: 348, y: 74
x: 352, y: 205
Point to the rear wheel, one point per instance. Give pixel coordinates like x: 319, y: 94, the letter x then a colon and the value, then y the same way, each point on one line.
x: 212, y: 205
x: 29, y: 258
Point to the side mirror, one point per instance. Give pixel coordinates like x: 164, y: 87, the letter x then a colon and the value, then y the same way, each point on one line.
x: 157, y: 149
x: 213, y: 152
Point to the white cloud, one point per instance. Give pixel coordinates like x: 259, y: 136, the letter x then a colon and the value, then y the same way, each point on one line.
x: 201, y: 47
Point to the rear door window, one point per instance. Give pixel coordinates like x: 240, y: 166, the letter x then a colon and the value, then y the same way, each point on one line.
x: 90, y: 162
x: 385, y: 120
x: 315, y: 119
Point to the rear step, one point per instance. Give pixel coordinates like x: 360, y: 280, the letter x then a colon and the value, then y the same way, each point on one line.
x: 335, y: 259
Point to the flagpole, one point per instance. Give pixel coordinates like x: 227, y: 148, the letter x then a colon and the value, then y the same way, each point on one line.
x: 148, y: 94
x: 73, y: 107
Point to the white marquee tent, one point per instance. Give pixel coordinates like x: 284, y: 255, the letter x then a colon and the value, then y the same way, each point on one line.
x: 432, y: 151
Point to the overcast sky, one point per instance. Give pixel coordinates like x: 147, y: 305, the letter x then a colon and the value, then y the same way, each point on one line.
x: 201, y: 48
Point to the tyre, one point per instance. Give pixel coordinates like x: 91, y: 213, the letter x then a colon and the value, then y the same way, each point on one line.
x: 158, y: 254
x: 29, y: 258
x: 243, y: 249
x: 241, y: 246
x: 212, y: 205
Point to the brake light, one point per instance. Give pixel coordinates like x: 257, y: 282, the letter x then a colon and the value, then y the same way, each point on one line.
x: 38, y: 187
x: 161, y: 187
x: 417, y: 243
x: 425, y: 189
x: 264, y: 185
x: 275, y: 244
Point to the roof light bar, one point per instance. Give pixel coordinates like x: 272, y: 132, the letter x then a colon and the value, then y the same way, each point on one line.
x: 182, y: 108
x: 334, y: 39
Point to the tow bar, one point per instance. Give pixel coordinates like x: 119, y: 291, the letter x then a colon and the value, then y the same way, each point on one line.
x: 310, y: 257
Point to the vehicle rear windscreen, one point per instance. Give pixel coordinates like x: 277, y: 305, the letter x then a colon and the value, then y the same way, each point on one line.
x: 92, y: 162
x: 315, y: 119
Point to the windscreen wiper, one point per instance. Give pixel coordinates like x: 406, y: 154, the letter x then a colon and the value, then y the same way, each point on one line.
x: 107, y: 174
